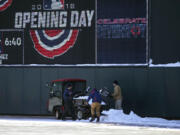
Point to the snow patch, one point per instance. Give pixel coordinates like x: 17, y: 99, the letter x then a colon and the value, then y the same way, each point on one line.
x: 111, y: 116
x: 82, y: 97
x: 177, y: 64
x: 117, y: 116
x: 75, y: 65
x: 150, y: 61
x: 90, y: 101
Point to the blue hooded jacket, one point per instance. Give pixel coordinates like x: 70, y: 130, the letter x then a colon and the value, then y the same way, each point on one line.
x: 68, y: 94
x: 95, y: 96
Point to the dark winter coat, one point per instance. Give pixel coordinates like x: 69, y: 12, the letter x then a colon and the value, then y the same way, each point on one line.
x: 68, y: 103
x: 95, y: 96
x: 68, y: 95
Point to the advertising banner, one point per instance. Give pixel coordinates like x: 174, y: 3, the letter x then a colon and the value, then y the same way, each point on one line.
x: 121, y: 32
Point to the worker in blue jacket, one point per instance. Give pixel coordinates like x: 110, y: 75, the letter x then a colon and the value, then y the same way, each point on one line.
x: 96, y: 104
x: 68, y: 102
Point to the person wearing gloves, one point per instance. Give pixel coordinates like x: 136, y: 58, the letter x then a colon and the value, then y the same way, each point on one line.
x: 96, y: 104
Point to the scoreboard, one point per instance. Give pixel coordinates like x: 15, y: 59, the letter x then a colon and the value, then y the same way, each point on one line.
x: 47, y: 32
x: 73, y: 32
x: 11, y: 46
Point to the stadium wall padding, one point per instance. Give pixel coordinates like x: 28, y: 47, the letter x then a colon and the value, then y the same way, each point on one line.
x: 146, y: 91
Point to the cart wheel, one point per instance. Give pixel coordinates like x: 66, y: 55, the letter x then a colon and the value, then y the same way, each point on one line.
x: 79, y: 114
x: 57, y: 114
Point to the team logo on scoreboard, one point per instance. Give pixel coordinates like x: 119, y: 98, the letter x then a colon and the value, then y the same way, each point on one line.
x: 52, y: 43
x: 53, y: 4
x: 4, y: 4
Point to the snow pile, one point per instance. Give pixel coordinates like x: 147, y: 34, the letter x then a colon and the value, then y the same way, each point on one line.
x: 90, y: 101
x: 117, y: 116
x: 111, y: 116
x: 177, y: 64
x: 82, y: 97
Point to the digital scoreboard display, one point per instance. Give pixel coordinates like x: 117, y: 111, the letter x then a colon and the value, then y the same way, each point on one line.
x: 11, y: 46
x: 47, y: 32
x: 70, y: 32
x: 121, y: 32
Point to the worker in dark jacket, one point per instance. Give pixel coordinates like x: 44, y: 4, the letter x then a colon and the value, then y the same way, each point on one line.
x: 68, y: 102
x: 96, y: 104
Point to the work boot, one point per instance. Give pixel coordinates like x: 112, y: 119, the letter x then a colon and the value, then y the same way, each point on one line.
x: 92, y: 119
x: 97, y: 119
x: 73, y: 118
x: 63, y: 118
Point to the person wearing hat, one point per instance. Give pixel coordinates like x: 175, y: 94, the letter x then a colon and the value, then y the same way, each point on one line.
x: 117, y: 95
x: 96, y: 104
x: 68, y: 102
